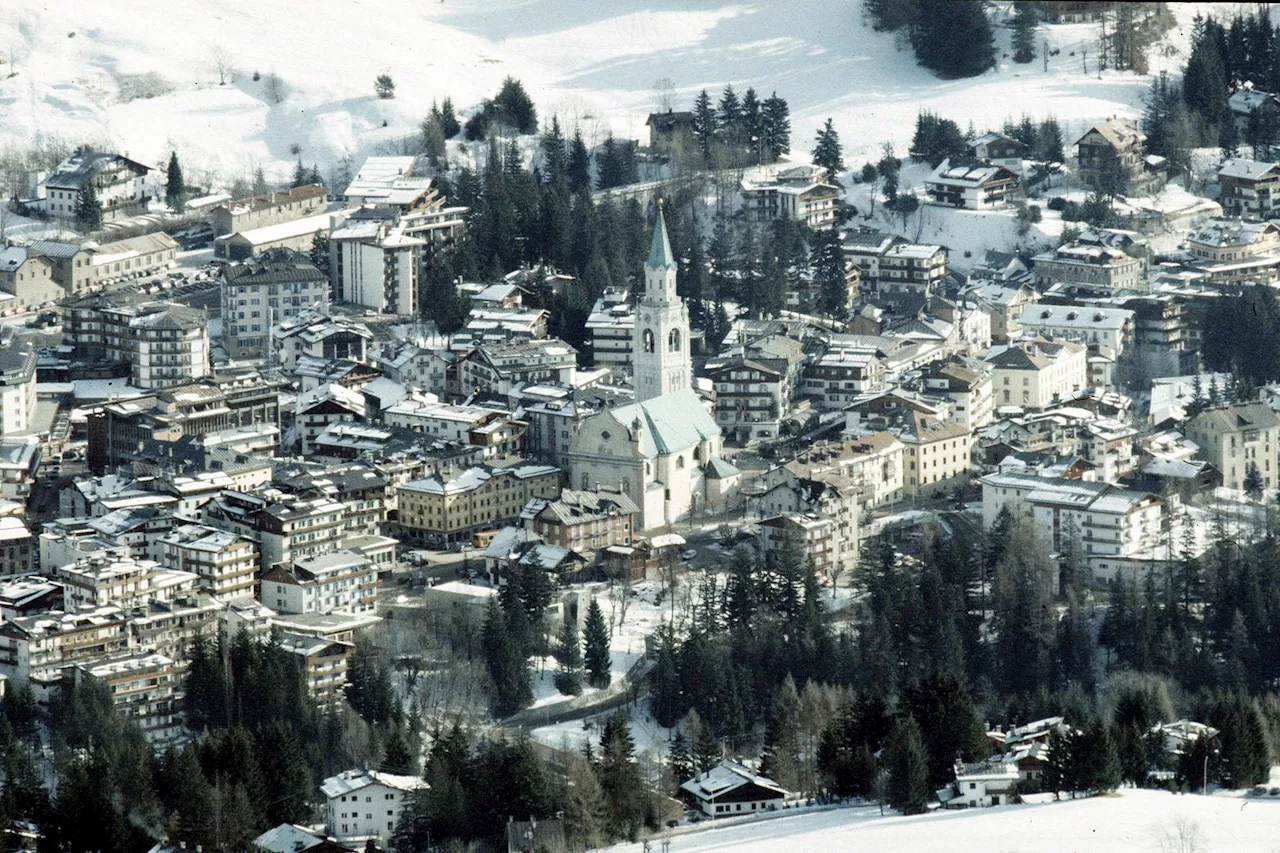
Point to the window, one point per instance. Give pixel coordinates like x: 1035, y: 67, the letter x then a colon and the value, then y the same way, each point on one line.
x: 673, y: 340
x: 647, y: 339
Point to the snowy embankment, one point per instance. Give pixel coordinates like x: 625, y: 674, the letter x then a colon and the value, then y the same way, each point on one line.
x: 1126, y: 822
x: 143, y: 76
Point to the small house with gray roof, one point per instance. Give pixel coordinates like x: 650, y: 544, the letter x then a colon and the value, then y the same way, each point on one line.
x: 123, y: 186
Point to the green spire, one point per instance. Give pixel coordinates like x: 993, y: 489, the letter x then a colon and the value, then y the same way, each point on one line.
x: 660, y: 252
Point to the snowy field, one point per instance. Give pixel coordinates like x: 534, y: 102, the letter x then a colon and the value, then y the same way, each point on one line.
x: 1132, y: 821
x: 141, y: 75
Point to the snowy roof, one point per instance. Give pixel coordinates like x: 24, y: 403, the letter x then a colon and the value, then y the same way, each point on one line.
x: 728, y: 776
x: 1075, y: 317
x: 1221, y: 232
x: 354, y: 780
x: 968, y: 175
x: 669, y: 424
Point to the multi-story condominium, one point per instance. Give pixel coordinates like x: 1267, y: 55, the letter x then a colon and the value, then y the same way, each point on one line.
x: 811, y: 538
x: 974, y: 186
x: 1034, y: 374
x: 225, y: 564
x: 365, y: 805
x: 610, y: 327
x: 799, y: 194
x: 17, y: 389
x: 414, y: 365
x: 498, y: 368
x: 842, y: 374
x: 1250, y: 189
x: 273, y: 287
x: 830, y: 495
x: 936, y: 453
x: 583, y: 521
x: 146, y: 688
x: 162, y: 342
x: 150, y: 425
x: 1163, y: 335
x: 967, y: 384
x: 34, y: 650
x: 1232, y: 251
x: 874, y: 462
x: 374, y: 262
x: 339, y: 581
x: 1111, y: 328
x: 122, y: 186
x: 1005, y: 302
x: 17, y: 548
x: 286, y: 527
x: 753, y: 397
x: 1116, y: 147
x: 360, y: 487
x: 1110, y: 521
x: 448, y: 422
x: 1091, y: 268
x: 912, y: 268
x: 270, y: 209
x: 120, y: 580
x: 1236, y: 438
x: 866, y: 247
x: 323, y: 663
x: 450, y: 507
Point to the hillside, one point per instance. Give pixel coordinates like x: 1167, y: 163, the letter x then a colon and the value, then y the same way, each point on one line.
x: 81, y: 74
x: 1128, y: 822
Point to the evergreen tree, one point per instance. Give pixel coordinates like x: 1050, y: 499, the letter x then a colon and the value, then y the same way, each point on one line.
x: 554, y: 158
x: 396, y: 756
x: 514, y: 107
x: 568, y: 653
x: 729, y: 116
x: 776, y: 127
x: 704, y: 124
x: 88, y: 211
x: 752, y: 125
x: 955, y: 729
x: 174, y: 187
x: 585, y: 809
x: 679, y: 759
x: 953, y: 38
x: 827, y: 152
x: 1253, y: 481
x: 780, y: 760
x: 907, y: 763
x: 624, y: 792
x: 260, y: 186
x: 299, y: 175
x: 888, y: 168
x: 596, y: 658
x: 579, y: 165
x: 828, y: 271
x: 1024, y: 32
x: 1049, y: 141
x: 507, y: 667
x: 1023, y: 616
x: 449, y: 124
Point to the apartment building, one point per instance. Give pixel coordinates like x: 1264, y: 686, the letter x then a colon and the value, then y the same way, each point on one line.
x: 971, y: 186
x: 1237, y: 437
x: 340, y: 581
x: 811, y: 538
x: 274, y: 287
x: 122, y: 186
x: 912, y: 268
x: 967, y: 384
x: 799, y: 194
x: 1091, y: 268
x: 1234, y: 251
x: 225, y: 564
x: 146, y: 688
x: 1111, y: 328
x: 753, y: 397
x: 1249, y: 189
x: 450, y: 507
x: 1035, y: 374
x: 583, y: 521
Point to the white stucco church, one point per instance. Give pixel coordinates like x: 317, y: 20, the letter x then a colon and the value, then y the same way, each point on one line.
x: 664, y: 449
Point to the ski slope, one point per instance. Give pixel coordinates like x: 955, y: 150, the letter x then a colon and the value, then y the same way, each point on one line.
x: 69, y: 67
x: 1131, y: 821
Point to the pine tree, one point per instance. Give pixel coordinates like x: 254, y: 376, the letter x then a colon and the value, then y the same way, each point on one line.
x: 1253, y: 481
x: 514, y: 107
x: 624, y: 792
x: 776, y: 127
x: 554, y: 159
x: 584, y: 806
x: 174, y: 188
x: 1049, y: 139
x: 449, y: 124
x: 579, y: 165
x: 828, y: 271
x: 1024, y: 32
x: 596, y: 657
x: 908, y: 767
x: 888, y: 169
x: 299, y: 175
x: 679, y: 759
x: 953, y: 38
x: 384, y: 87
x: 827, y: 152
x: 260, y: 186
x: 396, y: 757
x: 752, y: 124
x: 780, y: 760
x: 704, y: 124
x: 707, y: 751
x: 88, y: 210
x: 729, y: 116
x: 508, y: 669
x: 568, y: 653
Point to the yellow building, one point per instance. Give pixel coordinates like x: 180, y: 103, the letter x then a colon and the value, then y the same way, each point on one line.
x: 450, y: 507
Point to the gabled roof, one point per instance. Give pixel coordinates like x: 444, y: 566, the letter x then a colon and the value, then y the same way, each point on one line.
x: 729, y: 776
x: 1247, y: 169
x: 668, y: 424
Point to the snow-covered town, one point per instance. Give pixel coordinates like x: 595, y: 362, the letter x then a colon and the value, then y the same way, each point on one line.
x: 559, y: 425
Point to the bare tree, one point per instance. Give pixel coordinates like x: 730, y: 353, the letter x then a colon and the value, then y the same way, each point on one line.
x: 222, y: 62
x: 665, y: 90
x: 1183, y: 836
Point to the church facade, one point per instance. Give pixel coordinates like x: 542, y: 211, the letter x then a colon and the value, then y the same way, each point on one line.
x: 663, y: 450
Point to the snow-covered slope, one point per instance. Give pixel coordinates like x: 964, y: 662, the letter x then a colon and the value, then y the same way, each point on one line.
x: 1131, y: 821
x: 591, y: 61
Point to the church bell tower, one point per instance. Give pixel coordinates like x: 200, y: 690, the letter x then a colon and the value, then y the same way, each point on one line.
x: 660, y: 340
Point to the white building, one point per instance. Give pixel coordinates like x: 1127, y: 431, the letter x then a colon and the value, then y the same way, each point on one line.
x: 1237, y: 437
x: 1035, y: 374
x: 799, y: 194
x: 374, y: 263
x: 1103, y: 327
x: 123, y: 187
x: 365, y: 804
x: 977, y: 186
x: 730, y: 788
x: 660, y: 339
x: 336, y: 582
x: 273, y: 287
x: 17, y: 389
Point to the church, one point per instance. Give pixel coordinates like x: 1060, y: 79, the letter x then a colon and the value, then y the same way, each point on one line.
x: 664, y: 449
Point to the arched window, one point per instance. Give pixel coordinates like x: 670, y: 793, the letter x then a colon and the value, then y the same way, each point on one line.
x: 679, y: 461
x: 673, y: 340
x: 648, y: 340
x: 585, y: 482
x: 626, y: 485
